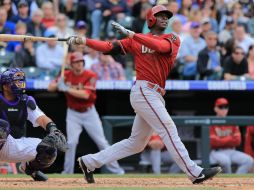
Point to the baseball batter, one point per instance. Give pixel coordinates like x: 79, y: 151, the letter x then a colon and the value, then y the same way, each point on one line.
x: 154, y: 54
x: 16, y: 107
x: 224, y: 140
x: 79, y: 88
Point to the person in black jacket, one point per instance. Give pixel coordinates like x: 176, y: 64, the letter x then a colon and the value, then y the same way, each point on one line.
x: 25, y: 56
x: 208, y: 63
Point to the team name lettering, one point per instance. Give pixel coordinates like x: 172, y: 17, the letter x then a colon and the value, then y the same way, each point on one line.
x: 13, y: 109
x: 145, y: 49
x: 223, y: 133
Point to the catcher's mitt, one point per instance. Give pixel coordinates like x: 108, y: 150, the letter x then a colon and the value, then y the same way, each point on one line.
x: 55, y: 138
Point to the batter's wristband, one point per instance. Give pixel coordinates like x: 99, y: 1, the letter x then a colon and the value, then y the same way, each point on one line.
x: 50, y: 127
x: 155, y: 137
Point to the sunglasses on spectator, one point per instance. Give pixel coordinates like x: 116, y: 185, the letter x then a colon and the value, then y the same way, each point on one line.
x: 223, y: 107
x: 237, y: 53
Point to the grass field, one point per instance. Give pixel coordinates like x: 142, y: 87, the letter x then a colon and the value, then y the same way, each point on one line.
x: 127, y: 182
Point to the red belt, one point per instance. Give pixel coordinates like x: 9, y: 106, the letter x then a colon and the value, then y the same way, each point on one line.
x: 82, y: 110
x: 157, y: 88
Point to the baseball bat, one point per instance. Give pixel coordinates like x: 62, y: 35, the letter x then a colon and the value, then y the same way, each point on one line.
x: 21, y: 38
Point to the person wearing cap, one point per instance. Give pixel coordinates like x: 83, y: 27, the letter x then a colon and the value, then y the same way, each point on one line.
x: 49, y: 55
x: 189, y: 50
x: 206, y: 26
x: 224, y: 141
x: 81, y: 28
x: 227, y: 32
x: 78, y: 85
x: 23, y: 12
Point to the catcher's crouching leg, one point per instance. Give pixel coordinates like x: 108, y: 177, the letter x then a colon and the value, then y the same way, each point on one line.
x: 46, y: 155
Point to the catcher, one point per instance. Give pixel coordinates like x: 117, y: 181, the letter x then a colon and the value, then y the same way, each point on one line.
x: 16, y: 107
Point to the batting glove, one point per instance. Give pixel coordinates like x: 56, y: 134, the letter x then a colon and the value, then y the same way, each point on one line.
x: 119, y: 28
x: 62, y: 86
x: 76, y: 40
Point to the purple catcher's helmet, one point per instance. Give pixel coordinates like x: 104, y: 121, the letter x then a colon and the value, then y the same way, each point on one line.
x: 14, y: 77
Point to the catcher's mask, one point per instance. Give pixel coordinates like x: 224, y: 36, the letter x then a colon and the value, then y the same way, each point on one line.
x: 16, y: 79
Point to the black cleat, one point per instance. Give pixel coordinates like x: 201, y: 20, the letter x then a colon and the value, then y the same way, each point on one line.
x: 88, y: 175
x: 39, y: 176
x: 207, y: 174
x: 36, y: 175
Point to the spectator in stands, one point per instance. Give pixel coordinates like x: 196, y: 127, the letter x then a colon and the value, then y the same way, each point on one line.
x: 139, y: 21
x: 49, y: 55
x: 208, y: 63
x: 25, y: 56
x: 35, y: 27
x: 23, y: 13
x: 205, y: 27
x: 207, y: 14
x: 20, y: 29
x: 250, y: 60
x: 92, y: 57
x: 236, y: 66
x: 7, y: 5
x: 49, y: 18
x: 251, y: 23
x: 174, y: 8
x: 113, y: 10
x: 155, y: 154
x: 96, y: 18
x: 32, y: 6
x: 81, y: 28
x: 189, y: 50
x: 61, y: 28
x: 5, y: 28
x: 177, y: 28
x: 224, y: 140
x: 242, y: 38
x: 227, y: 32
x: 108, y: 68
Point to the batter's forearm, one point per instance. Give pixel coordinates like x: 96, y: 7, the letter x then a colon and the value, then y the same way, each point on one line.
x: 99, y: 45
x: 78, y: 93
x: 159, y: 45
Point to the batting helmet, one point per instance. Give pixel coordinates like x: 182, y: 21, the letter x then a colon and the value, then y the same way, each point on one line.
x: 15, y: 77
x: 150, y: 17
x: 76, y: 56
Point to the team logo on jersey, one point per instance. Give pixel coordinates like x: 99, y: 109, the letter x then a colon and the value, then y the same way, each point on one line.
x: 173, y: 38
x: 145, y: 49
x: 12, y: 109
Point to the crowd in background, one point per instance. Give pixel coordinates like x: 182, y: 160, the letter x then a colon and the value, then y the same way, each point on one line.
x: 217, y: 36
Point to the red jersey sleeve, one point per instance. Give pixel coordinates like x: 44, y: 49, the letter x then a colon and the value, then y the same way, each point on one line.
x: 175, y: 43
x: 249, y: 141
x: 126, y: 45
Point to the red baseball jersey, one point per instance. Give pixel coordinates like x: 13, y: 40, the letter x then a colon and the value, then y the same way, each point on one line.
x: 225, y: 136
x: 249, y: 137
x: 151, y: 65
x: 87, y: 78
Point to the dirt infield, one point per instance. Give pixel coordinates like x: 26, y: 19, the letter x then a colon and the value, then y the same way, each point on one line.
x: 227, y: 183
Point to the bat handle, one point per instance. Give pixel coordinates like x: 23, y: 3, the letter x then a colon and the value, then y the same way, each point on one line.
x: 62, y: 39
